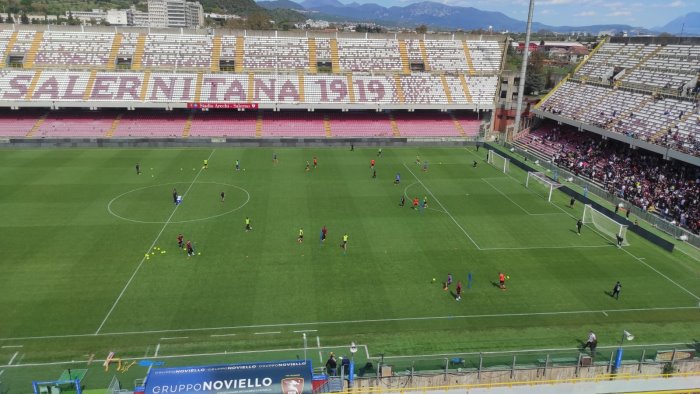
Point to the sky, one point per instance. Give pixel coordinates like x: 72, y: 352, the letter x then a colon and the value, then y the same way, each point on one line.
x: 644, y: 13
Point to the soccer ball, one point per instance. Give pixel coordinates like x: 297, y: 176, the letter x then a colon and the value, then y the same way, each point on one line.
x: 508, y: 277
x: 433, y: 280
x: 199, y: 253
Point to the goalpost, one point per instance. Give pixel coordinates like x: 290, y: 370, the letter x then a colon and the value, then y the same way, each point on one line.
x: 541, y: 182
x: 604, y: 224
x: 498, y: 161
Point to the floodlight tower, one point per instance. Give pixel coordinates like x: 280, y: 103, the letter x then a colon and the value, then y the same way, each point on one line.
x: 523, y: 68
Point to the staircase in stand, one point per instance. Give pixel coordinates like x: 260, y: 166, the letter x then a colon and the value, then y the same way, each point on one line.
x: 458, y: 125
x: 33, y: 50
x: 403, y: 52
x: 335, y: 58
x: 468, y: 56
x: 327, y: 125
x: 8, y: 49
x: 446, y: 88
x: 465, y: 88
x: 394, y: 126
x: 112, y: 59
x: 138, y: 52
x: 215, y: 54
x: 188, y: 126
x: 113, y: 127
x: 399, y: 89
x: 32, y: 85
x: 313, y: 69
x: 424, y: 55
x: 37, y: 125
x: 240, y: 54
x: 259, y: 125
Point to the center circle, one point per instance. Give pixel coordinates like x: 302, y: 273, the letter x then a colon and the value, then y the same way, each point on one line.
x: 141, y: 204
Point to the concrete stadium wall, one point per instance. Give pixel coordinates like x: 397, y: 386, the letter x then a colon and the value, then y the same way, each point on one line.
x: 228, y: 142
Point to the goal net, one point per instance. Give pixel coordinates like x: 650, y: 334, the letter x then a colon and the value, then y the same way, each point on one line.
x: 498, y: 161
x: 604, y: 224
x: 540, y: 183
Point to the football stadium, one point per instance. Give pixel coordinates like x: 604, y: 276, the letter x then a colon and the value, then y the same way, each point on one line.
x: 254, y: 211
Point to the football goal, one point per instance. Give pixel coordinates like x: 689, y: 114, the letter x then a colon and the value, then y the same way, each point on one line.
x: 540, y: 183
x: 604, y: 224
x: 498, y: 161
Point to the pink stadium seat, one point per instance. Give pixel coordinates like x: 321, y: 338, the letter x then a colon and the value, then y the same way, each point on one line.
x: 425, y: 124
x: 292, y: 124
x: 18, y: 123
x: 151, y: 124
x: 224, y: 124
x: 64, y: 124
x: 470, y: 122
x: 360, y: 124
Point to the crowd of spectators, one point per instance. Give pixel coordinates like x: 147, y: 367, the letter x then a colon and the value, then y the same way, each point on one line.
x: 665, y: 187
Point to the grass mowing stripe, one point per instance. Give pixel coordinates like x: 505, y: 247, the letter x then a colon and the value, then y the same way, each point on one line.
x: 335, y: 322
x: 121, y: 294
x: 604, y: 237
x: 443, y: 207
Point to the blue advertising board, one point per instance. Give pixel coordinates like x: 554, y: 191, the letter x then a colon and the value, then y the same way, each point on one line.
x: 278, y: 377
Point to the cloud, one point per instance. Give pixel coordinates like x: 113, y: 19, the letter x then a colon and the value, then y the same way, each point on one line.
x: 677, y: 4
x: 620, y: 13
x: 586, y: 13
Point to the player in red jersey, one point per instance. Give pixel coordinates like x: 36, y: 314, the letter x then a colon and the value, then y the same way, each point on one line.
x: 190, y: 249
x: 179, y: 241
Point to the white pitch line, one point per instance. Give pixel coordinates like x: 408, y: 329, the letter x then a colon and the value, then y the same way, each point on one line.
x: 606, y: 315
x: 267, y: 333
x: 518, y: 205
x: 405, y: 193
x: 443, y: 208
x: 155, y: 354
x: 121, y: 294
x: 13, y: 358
x: 320, y: 357
x: 336, y: 322
x: 625, y: 250
x: 222, y: 335
x: 300, y: 331
x: 318, y: 341
x: 172, y: 338
x: 3, y: 371
x: 550, y: 247
x: 12, y: 346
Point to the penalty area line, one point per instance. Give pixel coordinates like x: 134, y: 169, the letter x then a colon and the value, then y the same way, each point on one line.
x: 443, y: 207
x: 143, y: 258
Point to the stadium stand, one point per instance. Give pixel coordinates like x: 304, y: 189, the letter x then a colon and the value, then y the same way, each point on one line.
x: 150, y: 71
x: 138, y: 124
x: 66, y: 124
x: 643, y: 90
x: 224, y: 124
x: 667, y: 188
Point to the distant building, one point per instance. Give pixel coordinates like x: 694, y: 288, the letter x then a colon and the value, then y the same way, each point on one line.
x: 136, y: 17
x: 175, y: 13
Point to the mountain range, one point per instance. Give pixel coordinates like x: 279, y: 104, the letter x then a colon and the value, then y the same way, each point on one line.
x: 437, y: 15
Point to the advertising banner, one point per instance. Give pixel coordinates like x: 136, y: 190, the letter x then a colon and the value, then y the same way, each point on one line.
x: 222, y: 105
x: 279, y: 377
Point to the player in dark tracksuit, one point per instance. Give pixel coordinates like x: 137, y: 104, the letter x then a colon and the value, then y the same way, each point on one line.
x: 616, y: 290
x: 579, y: 224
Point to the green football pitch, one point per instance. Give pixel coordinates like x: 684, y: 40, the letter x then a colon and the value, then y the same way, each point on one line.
x: 75, y: 281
